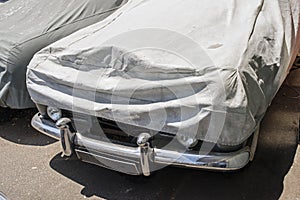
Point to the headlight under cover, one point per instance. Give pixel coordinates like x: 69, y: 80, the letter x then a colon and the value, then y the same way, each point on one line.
x: 54, y: 113
x: 187, y: 141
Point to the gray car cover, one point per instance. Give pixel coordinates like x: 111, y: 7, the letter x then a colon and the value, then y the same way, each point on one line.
x: 27, y: 26
x: 195, y: 68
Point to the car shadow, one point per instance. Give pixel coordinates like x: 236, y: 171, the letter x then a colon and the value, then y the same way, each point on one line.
x: 15, y: 127
x: 262, y: 179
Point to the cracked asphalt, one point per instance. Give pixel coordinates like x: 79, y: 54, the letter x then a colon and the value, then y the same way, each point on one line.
x: 31, y: 166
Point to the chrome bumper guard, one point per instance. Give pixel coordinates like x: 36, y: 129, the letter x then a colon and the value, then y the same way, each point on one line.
x: 136, y: 160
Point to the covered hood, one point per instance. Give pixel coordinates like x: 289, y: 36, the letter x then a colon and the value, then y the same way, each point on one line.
x: 198, y: 68
x: 27, y: 26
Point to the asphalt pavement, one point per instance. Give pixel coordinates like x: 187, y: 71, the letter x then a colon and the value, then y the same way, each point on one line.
x: 31, y: 166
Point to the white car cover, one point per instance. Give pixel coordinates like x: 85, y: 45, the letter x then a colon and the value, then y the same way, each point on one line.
x: 196, y: 68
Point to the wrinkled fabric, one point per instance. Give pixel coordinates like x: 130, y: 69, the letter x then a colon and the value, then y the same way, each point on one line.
x: 200, y: 68
x: 27, y: 26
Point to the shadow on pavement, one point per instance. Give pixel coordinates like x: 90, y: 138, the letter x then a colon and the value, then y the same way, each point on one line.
x: 262, y: 179
x: 15, y: 127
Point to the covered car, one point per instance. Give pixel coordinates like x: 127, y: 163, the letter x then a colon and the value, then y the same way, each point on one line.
x: 27, y: 26
x: 172, y: 82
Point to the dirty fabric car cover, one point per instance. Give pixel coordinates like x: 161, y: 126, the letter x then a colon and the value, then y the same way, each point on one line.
x: 27, y: 26
x: 193, y: 67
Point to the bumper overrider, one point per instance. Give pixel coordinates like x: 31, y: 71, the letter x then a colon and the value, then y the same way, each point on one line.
x: 142, y: 159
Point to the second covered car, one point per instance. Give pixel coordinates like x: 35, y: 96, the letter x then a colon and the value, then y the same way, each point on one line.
x: 27, y: 26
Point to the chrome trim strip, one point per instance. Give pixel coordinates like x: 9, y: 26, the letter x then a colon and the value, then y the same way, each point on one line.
x: 105, y: 147
x: 38, y: 124
x: 208, y: 162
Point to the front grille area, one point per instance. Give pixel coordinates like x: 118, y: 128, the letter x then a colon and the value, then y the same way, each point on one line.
x: 118, y: 133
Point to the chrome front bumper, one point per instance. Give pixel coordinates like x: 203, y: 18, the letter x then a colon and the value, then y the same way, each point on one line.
x: 136, y: 160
